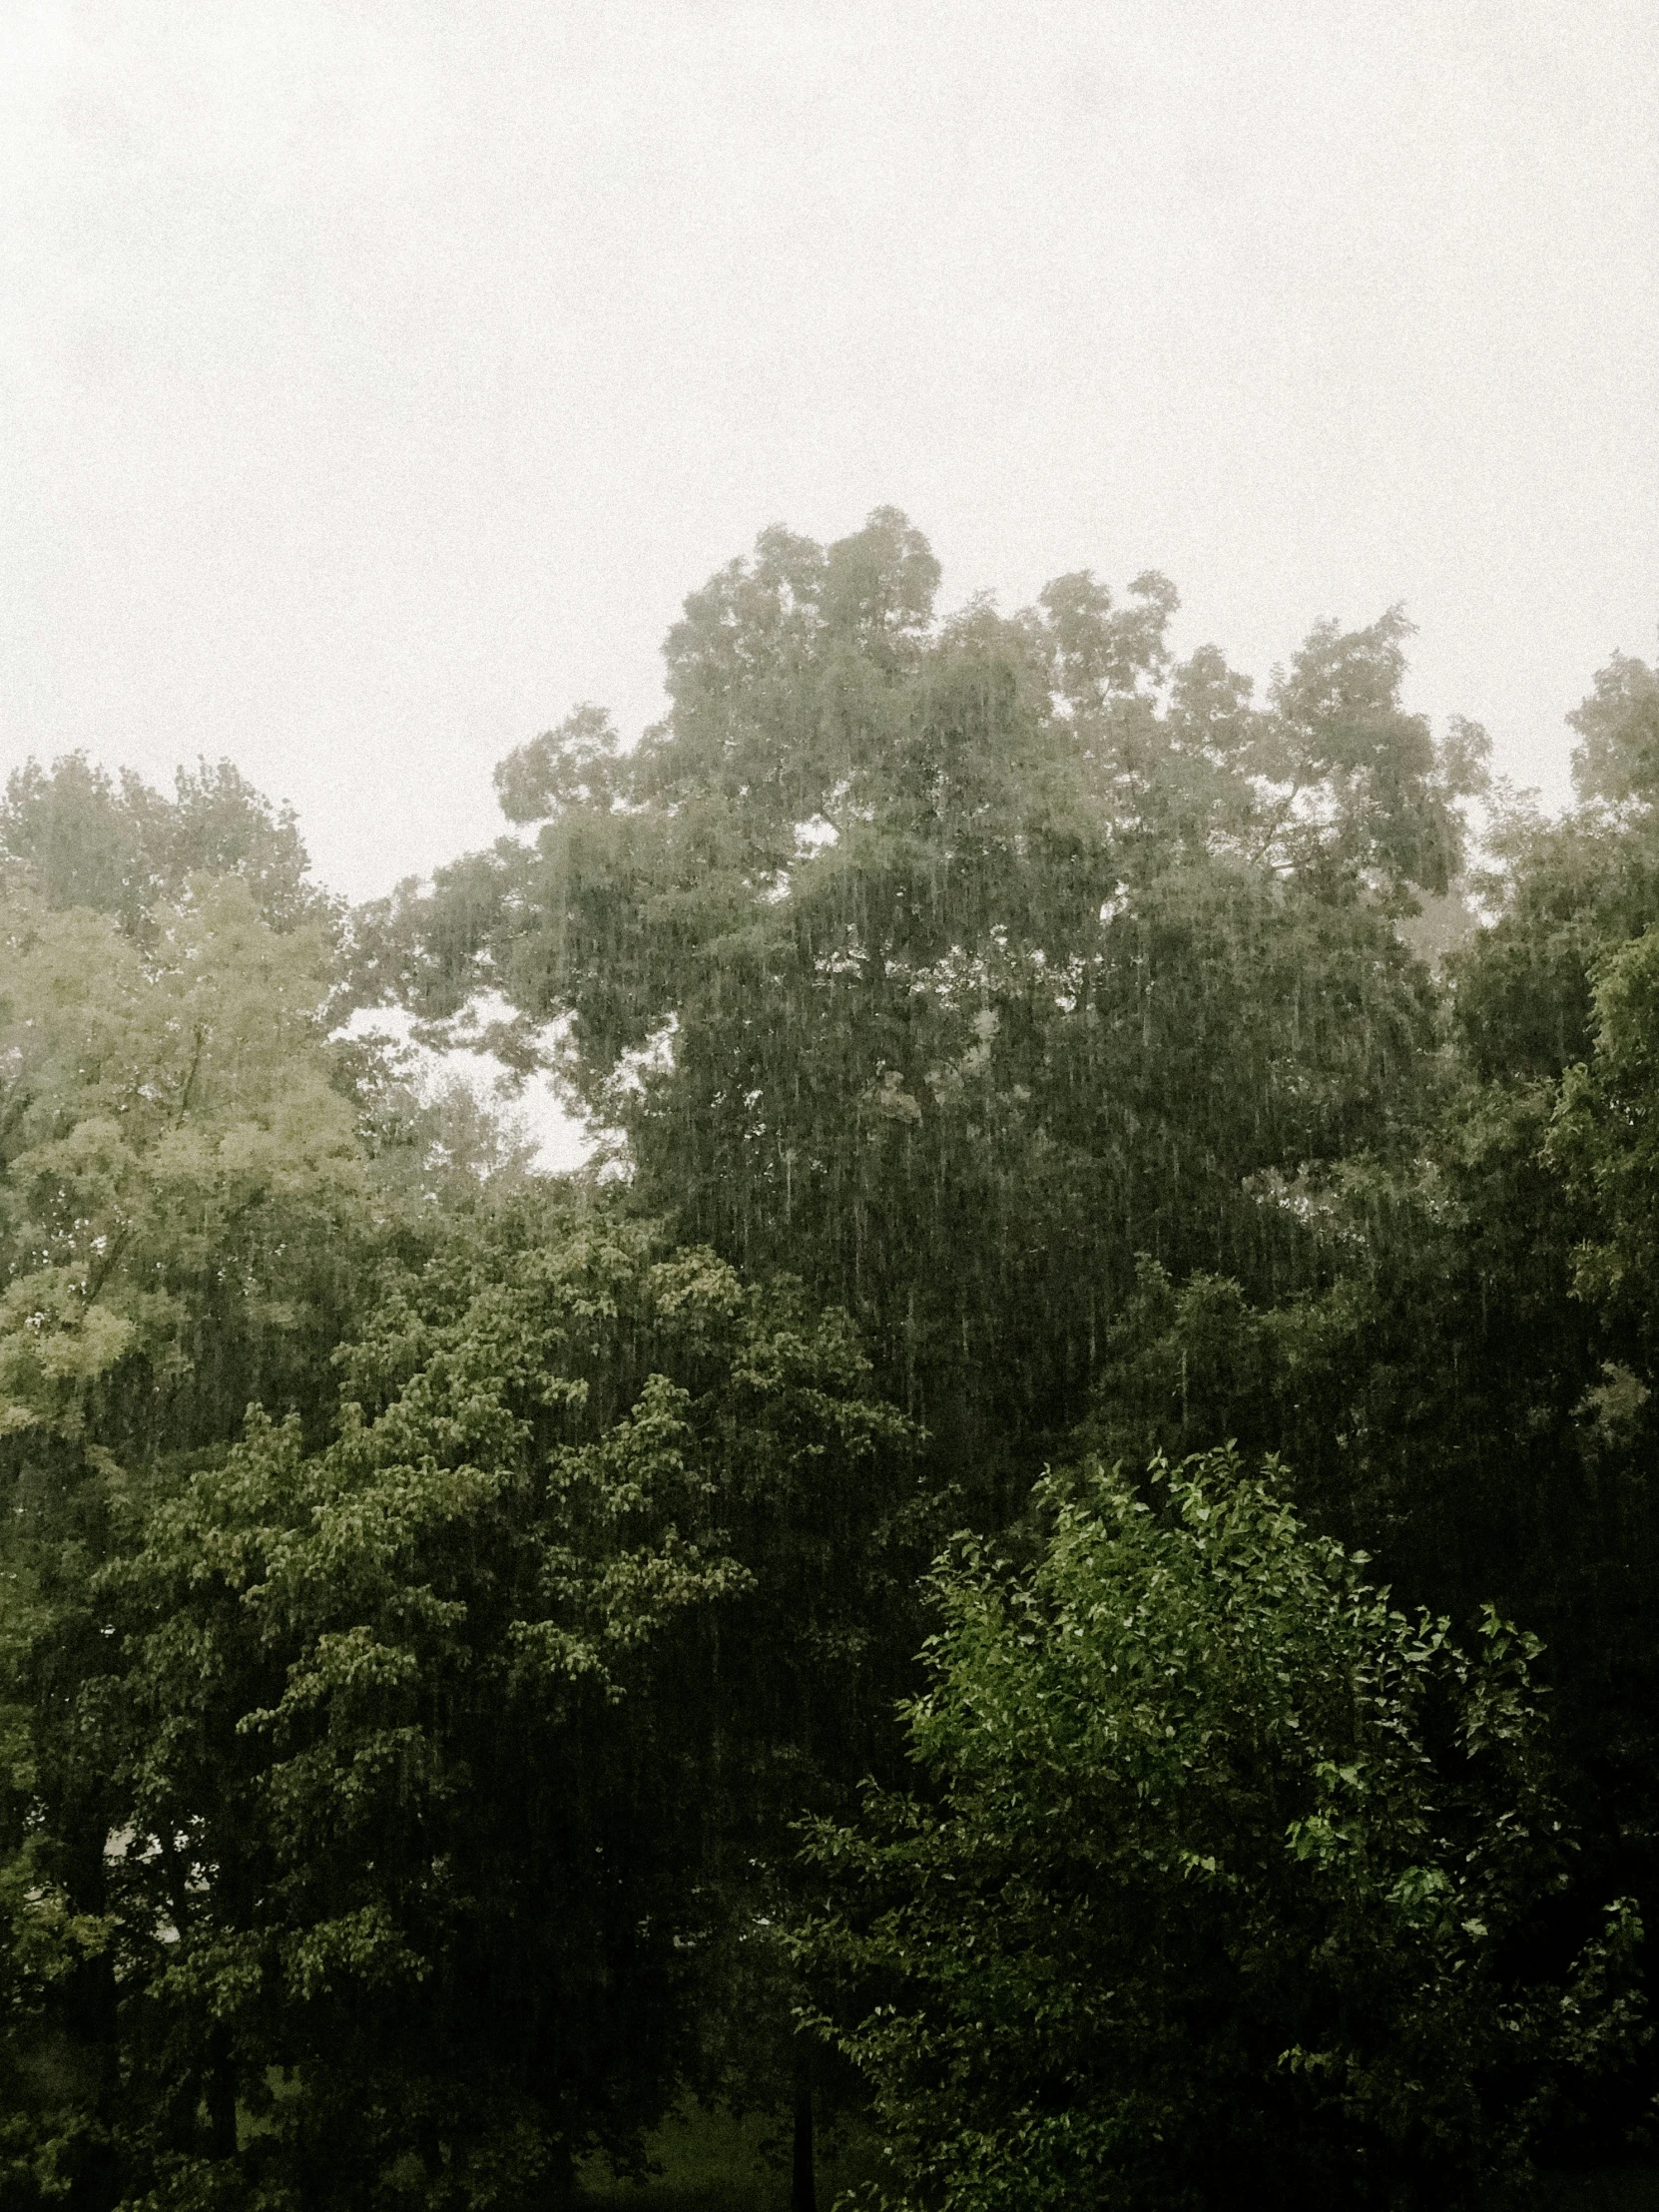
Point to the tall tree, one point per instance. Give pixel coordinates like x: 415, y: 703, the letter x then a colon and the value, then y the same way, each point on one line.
x: 1471, y: 1394
x: 955, y: 964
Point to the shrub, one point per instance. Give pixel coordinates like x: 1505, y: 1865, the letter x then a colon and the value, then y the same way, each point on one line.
x: 1226, y: 1882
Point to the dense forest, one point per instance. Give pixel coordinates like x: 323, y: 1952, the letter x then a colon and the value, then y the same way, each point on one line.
x: 1049, y: 1557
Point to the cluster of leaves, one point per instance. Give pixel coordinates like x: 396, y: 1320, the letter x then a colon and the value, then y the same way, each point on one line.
x: 121, y: 848
x: 396, y: 1810
x: 1465, y: 1383
x: 177, y: 1165
x: 1218, y: 1872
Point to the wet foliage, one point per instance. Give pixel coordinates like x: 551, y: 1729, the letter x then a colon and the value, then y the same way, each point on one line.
x: 436, y: 1594
x: 1217, y: 1872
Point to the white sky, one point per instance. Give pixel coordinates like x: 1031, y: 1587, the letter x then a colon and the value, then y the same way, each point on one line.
x: 376, y: 379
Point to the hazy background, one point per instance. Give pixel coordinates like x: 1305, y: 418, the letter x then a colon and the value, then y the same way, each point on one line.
x: 377, y: 379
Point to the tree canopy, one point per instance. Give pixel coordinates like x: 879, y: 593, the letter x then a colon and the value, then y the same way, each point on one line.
x: 1217, y: 1871
x: 958, y: 962
x: 437, y: 1598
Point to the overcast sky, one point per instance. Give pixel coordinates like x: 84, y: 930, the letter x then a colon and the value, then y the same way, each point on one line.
x: 377, y: 379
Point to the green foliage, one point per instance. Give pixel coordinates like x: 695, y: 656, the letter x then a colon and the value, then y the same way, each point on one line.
x: 1605, y: 1137
x: 405, y: 1747
x: 121, y: 848
x: 1616, y: 761
x: 399, y: 1780
x: 1464, y: 1381
x: 184, y: 1207
x: 1217, y: 1872
x: 950, y: 963
x: 1567, y: 891
x: 178, y: 1171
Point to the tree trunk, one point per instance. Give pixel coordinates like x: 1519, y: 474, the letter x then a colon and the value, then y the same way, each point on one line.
x: 221, y: 2097
x: 804, y: 2184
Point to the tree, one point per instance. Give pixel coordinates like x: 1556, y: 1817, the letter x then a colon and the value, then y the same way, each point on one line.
x: 950, y: 964
x: 118, y: 847
x: 412, y: 1758
x: 202, y: 1199
x: 1212, y: 1888
x: 1464, y: 1384
x: 178, y: 1167
x: 190, y: 1219
x: 1604, y: 1137
x: 994, y: 992
x: 183, y: 1208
